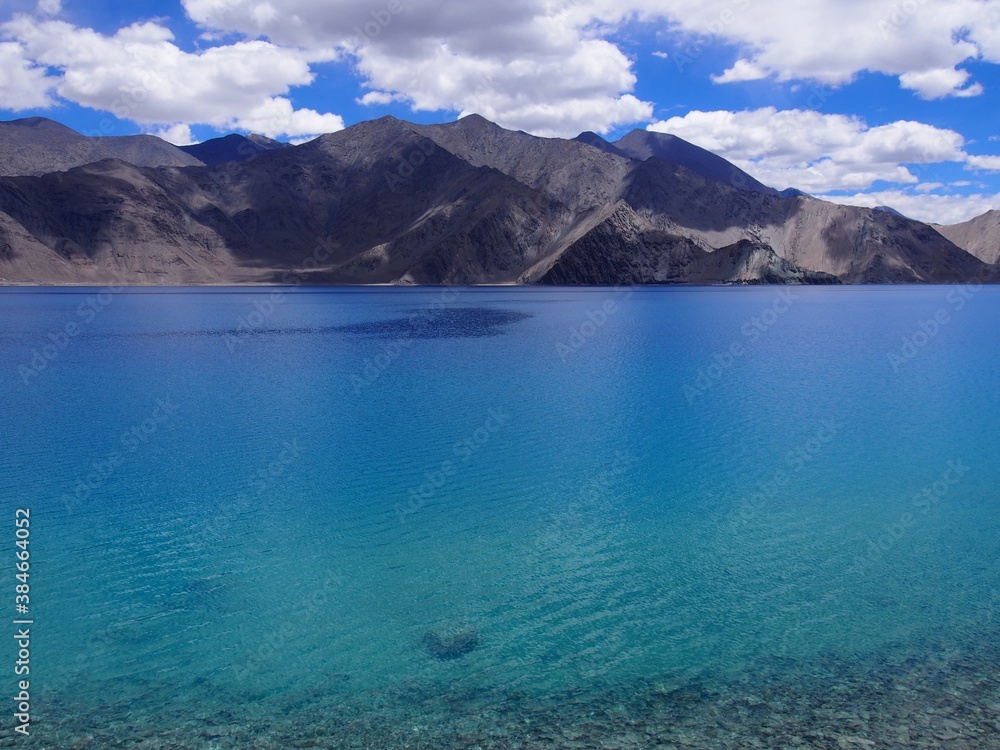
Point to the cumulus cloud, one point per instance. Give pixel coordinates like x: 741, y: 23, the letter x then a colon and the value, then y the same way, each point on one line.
x: 23, y: 84
x: 931, y: 208
x: 986, y: 163
x: 179, y: 134
x: 742, y: 70
x: 277, y: 116
x: 552, y: 66
x: 376, y: 98
x: 548, y: 66
x: 937, y: 84
x: 526, y: 64
x: 559, y: 94
x: 140, y: 74
x: 817, y: 152
x: 923, y: 43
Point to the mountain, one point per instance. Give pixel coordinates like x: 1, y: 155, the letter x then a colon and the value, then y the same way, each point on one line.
x: 646, y: 144
x: 466, y: 202
x: 593, y: 139
x: 623, y: 250
x: 36, y: 146
x: 979, y: 236
x: 232, y: 147
x: 889, y: 210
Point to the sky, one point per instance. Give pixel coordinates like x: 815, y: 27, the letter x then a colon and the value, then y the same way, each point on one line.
x: 869, y: 102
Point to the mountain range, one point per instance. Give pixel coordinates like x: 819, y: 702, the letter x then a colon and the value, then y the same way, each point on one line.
x: 37, y: 146
x: 980, y: 236
x: 466, y: 202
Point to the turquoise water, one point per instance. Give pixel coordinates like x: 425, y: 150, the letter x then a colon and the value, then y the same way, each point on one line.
x: 718, y: 517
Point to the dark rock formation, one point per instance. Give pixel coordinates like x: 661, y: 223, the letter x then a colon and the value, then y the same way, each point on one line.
x: 646, y: 144
x: 450, y: 642
x: 232, y: 148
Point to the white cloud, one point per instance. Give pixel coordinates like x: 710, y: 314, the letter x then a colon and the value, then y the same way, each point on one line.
x: 545, y: 65
x: 140, y: 74
x: 832, y: 41
x: 988, y: 163
x: 937, y: 84
x: 376, y: 98
x: 551, y: 67
x: 551, y: 95
x: 816, y: 152
x: 23, y: 84
x: 49, y: 7
x: 276, y: 116
x: 931, y: 208
x: 536, y: 65
x: 661, y: 54
x: 742, y: 70
x: 179, y: 134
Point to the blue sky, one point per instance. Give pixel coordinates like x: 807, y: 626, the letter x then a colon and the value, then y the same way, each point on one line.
x: 862, y: 101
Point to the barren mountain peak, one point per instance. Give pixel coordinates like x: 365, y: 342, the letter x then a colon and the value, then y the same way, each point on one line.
x: 40, y: 122
x: 388, y: 201
x: 979, y: 236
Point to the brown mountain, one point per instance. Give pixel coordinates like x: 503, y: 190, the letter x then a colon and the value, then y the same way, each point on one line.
x: 979, y: 236
x: 466, y: 202
x: 36, y: 146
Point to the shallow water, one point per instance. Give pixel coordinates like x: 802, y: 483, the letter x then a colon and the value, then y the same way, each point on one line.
x: 670, y: 517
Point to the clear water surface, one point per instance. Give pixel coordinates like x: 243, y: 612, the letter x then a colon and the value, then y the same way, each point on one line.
x: 707, y: 517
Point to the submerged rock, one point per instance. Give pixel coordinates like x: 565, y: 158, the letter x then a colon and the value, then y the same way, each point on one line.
x: 450, y: 642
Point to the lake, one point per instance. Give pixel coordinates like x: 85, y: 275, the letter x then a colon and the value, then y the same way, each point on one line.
x: 505, y: 517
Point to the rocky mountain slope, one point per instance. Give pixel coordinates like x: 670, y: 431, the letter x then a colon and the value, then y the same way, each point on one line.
x: 461, y: 203
x: 37, y: 146
x: 644, y: 144
x: 979, y: 236
x: 232, y: 147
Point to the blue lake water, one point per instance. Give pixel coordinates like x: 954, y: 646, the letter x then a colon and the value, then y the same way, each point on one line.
x: 507, y: 517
